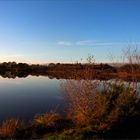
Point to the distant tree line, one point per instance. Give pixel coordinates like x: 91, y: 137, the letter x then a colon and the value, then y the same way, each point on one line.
x: 66, y: 71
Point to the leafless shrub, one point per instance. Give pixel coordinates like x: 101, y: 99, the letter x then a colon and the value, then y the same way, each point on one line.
x: 89, y: 105
x: 131, y: 60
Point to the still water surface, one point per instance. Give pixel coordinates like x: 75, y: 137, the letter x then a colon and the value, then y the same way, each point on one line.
x: 25, y: 97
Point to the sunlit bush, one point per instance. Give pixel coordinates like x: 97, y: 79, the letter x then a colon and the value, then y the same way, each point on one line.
x: 8, y: 128
x: 101, y: 108
x: 47, y: 119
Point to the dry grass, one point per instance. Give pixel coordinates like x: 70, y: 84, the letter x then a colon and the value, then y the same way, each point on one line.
x: 9, y: 128
x: 47, y: 119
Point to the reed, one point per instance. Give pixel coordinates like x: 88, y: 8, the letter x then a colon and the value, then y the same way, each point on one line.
x: 9, y: 128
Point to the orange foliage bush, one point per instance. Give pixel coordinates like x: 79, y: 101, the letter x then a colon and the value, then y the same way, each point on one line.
x: 91, y: 104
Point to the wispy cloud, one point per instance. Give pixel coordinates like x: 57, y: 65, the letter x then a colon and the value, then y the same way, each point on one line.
x: 65, y: 43
x: 97, y: 43
x: 93, y: 43
x: 85, y: 42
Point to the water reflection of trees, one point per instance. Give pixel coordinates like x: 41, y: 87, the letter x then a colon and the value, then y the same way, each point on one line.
x: 66, y: 71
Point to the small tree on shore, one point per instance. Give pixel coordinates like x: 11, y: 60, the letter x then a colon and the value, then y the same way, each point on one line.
x: 89, y: 104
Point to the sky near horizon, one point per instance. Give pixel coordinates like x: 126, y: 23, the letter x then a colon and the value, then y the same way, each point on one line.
x: 44, y: 31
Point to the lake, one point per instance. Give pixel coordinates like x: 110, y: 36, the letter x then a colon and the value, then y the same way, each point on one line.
x: 25, y: 97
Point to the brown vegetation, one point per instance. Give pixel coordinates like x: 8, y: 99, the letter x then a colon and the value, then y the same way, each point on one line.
x: 67, y: 71
x: 9, y: 128
x: 46, y: 120
x: 89, y: 105
x: 107, y: 109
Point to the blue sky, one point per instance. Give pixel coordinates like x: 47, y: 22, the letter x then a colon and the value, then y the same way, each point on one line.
x: 39, y: 31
